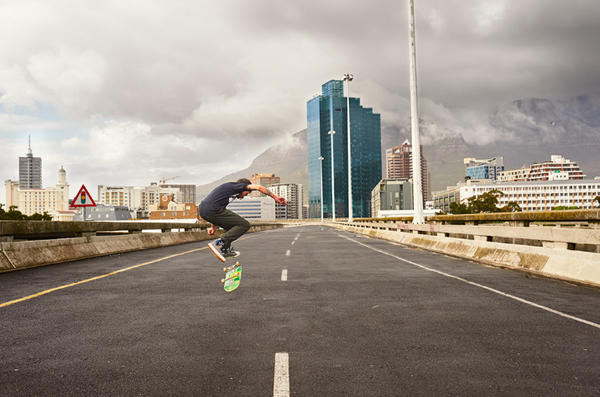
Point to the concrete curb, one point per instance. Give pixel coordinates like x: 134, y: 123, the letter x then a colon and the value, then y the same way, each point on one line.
x: 578, y: 266
x: 27, y: 254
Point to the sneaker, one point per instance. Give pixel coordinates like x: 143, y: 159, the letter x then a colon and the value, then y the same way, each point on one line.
x: 230, y: 253
x: 217, y: 248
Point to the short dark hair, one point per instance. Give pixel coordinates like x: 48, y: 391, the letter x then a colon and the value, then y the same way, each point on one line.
x: 244, y: 180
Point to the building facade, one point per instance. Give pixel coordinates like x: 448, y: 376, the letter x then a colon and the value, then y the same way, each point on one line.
x: 398, y: 161
x: 102, y: 213
x: 328, y: 112
x: 391, y: 194
x: 484, y: 169
x: 174, y: 211
x: 188, y: 192
x: 540, y: 195
x: 293, y: 194
x: 266, y: 180
x: 30, y: 171
x: 557, y: 169
x: 254, y: 208
x: 52, y: 199
x: 137, y: 198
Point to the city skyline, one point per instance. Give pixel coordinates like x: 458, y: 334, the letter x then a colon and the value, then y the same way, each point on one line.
x: 118, y: 93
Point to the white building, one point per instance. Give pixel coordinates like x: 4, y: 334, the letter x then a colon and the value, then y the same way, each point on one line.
x: 254, y: 208
x: 557, y: 169
x: 31, y: 201
x: 293, y: 194
x: 540, y: 195
x: 136, y: 198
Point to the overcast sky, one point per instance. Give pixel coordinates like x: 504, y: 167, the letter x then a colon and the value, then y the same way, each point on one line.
x: 126, y: 92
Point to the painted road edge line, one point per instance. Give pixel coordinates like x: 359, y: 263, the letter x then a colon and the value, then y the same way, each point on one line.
x: 565, y: 315
x: 281, y: 382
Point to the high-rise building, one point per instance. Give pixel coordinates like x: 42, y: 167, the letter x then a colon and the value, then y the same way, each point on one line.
x: 265, y: 180
x: 398, y: 162
x: 328, y: 112
x: 30, y: 170
x: 293, y: 194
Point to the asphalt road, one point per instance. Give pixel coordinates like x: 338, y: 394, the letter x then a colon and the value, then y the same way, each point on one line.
x: 355, y: 317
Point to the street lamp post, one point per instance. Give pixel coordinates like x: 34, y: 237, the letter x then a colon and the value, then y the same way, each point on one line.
x: 332, y: 178
x: 321, y: 158
x: 348, y: 78
x: 414, y: 119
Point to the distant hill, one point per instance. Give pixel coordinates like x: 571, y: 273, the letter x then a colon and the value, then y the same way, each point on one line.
x: 529, y: 131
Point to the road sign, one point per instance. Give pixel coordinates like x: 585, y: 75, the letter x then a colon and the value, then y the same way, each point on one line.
x: 83, y: 199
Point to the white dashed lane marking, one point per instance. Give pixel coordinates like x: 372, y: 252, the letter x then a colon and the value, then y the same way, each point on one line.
x: 281, y: 383
x: 284, y: 275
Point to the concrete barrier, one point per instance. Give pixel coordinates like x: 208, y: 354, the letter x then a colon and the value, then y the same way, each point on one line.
x: 555, y: 261
x: 27, y: 254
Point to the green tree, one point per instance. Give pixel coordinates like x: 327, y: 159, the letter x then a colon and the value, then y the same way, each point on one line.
x: 597, y: 198
x: 458, y: 208
x: 486, y: 202
x: 512, y: 206
x: 564, y: 207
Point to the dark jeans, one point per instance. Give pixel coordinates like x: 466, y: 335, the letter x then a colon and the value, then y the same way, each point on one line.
x: 234, y: 225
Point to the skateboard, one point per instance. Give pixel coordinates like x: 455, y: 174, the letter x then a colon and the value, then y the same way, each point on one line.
x: 233, y: 276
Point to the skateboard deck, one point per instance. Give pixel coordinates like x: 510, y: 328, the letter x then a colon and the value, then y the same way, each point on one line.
x: 233, y: 276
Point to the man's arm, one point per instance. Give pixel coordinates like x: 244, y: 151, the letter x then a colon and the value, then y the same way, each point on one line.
x: 266, y: 191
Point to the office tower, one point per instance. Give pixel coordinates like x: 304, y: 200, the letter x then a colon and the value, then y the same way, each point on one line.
x: 328, y: 112
x: 30, y: 171
x: 398, y: 162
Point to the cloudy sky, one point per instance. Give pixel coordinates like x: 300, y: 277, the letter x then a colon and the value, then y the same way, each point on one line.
x: 127, y: 92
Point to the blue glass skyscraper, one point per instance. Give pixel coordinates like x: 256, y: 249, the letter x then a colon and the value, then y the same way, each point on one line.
x: 328, y: 112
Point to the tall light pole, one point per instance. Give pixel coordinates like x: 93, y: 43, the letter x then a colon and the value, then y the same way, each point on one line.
x: 414, y: 120
x: 321, y: 158
x: 348, y: 78
x: 332, y: 179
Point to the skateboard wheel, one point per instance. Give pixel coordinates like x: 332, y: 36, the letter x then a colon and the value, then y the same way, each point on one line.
x: 224, y: 269
x: 223, y: 281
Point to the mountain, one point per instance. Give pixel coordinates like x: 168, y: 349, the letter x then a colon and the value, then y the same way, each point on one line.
x: 288, y: 160
x: 525, y: 131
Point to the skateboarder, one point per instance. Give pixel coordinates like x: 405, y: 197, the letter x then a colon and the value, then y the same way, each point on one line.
x: 213, y: 209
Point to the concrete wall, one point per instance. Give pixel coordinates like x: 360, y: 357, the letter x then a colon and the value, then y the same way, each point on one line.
x: 26, y: 254
x: 549, y: 260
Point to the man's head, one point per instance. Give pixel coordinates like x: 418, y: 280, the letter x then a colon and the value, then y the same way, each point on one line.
x: 245, y: 192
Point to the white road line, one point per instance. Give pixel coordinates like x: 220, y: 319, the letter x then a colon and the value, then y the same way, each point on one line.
x: 287, y: 253
x: 293, y: 242
x: 480, y: 286
x: 281, y: 383
x: 284, y: 275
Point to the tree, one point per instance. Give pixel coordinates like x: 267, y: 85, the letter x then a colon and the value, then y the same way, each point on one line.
x: 486, y: 202
x: 597, y: 198
x: 458, y: 208
x: 512, y: 206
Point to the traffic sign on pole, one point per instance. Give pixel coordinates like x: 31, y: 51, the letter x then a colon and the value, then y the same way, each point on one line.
x: 83, y: 199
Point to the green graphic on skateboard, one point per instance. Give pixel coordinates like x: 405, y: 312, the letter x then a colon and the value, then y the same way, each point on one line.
x: 233, y: 276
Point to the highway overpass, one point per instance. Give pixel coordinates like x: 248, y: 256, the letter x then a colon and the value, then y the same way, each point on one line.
x: 320, y: 312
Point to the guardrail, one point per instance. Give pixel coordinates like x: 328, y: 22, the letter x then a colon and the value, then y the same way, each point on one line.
x: 559, y: 244
x: 572, y: 230
x: 36, y: 230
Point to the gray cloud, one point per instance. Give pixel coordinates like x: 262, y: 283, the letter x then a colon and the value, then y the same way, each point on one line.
x: 201, y: 88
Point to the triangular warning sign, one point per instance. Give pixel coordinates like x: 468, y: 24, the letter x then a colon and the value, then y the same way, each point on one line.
x: 83, y: 199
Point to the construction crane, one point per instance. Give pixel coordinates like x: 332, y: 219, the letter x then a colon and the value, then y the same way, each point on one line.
x: 162, y: 181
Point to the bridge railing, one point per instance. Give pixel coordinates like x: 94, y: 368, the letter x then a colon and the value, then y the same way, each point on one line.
x: 570, y: 230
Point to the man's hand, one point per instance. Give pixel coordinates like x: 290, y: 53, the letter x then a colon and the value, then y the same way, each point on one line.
x: 280, y: 200
x: 212, y: 230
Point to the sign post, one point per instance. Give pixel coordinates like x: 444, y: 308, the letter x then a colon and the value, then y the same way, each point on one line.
x: 83, y: 199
